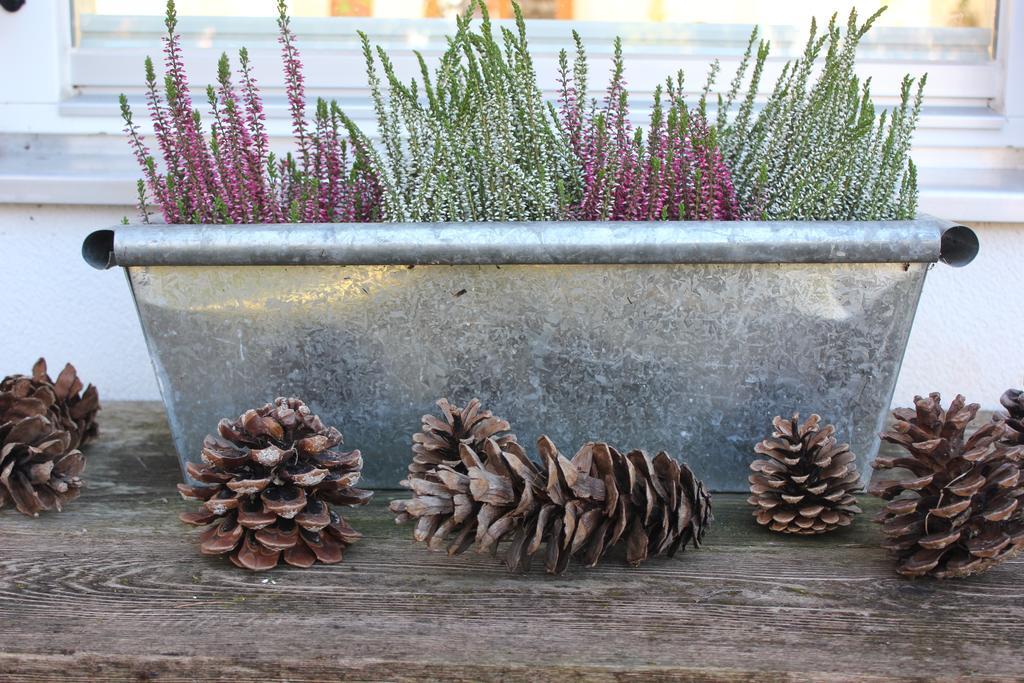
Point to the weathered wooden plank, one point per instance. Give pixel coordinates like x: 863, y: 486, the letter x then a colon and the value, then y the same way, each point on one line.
x: 114, y: 589
x: 91, y: 668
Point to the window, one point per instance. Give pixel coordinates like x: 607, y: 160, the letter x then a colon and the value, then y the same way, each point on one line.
x: 953, y: 40
x: 949, y: 30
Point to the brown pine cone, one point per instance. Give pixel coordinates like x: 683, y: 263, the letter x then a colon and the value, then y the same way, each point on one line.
x: 806, y: 484
x: 445, y: 512
x: 70, y: 408
x: 438, y: 441
x: 1013, y: 401
x: 958, y: 512
x: 273, y: 474
x: 436, y: 459
x: 576, y: 508
x: 38, y: 468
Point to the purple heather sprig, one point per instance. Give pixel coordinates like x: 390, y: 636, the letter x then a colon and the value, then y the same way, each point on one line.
x: 200, y: 183
x: 153, y: 180
x: 294, y: 82
x: 676, y: 173
x: 231, y: 176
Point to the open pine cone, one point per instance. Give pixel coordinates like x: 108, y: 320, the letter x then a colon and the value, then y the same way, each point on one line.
x: 39, y: 470
x: 959, y: 510
x: 1013, y: 401
x: 70, y: 409
x: 438, y: 441
x: 273, y: 473
x: 806, y: 483
x: 576, y: 508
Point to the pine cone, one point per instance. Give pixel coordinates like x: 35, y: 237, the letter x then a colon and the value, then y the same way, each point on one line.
x: 579, y: 508
x: 1013, y: 401
x: 38, y: 468
x: 438, y: 442
x: 806, y: 484
x: 959, y: 512
x: 273, y: 473
x: 70, y: 409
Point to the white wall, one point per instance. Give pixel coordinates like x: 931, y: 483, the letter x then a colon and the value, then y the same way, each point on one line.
x: 967, y: 336
x: 54, y: 305
x: 969, y: 329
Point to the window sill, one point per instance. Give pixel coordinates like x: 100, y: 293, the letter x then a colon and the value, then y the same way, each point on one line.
x: 99, y: 170
x: 963, y: 194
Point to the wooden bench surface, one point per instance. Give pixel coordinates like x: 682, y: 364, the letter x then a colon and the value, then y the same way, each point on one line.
x: 114, y: 588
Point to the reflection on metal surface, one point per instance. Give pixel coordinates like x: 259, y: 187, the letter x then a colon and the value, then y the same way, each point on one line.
x: 921, y: 240
x: 692, y: 358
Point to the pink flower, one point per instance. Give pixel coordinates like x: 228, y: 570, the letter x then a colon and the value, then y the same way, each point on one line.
x: 676, y: 173
x: 231, y: 175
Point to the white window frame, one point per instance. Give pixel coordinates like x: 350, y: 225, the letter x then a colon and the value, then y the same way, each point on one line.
x: 59, y: 129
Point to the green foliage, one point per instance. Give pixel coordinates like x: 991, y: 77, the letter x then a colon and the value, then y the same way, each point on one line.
x: 478, y: 143
x: 474, y: 140
x: 819, y: 151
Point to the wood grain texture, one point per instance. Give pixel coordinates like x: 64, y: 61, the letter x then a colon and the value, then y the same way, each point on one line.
x: 114, y: 589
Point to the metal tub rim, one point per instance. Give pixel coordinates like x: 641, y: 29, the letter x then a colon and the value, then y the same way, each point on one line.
x: 923, y: 240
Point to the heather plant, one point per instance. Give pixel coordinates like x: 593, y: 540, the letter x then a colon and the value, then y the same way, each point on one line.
x: 819, y: 151
x: 473, y: 141
x: 230, y: 175
x: 675, y: 172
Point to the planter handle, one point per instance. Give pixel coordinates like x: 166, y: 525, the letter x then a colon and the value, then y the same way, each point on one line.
x: 98, y: 249
x: 959, y: 246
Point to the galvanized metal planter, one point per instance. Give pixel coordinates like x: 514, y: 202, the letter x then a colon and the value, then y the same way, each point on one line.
x: 686, y: 337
